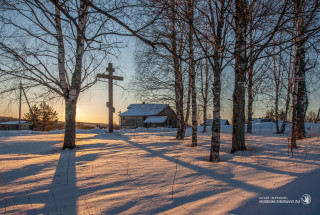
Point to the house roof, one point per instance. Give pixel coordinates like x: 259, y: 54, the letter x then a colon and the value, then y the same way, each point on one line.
x: 144, y: 109
x: 156, y: 119
x: 13, y: 122
x: 222, y: 122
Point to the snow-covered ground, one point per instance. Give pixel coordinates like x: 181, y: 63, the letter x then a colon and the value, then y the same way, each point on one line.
x: 148, y: 171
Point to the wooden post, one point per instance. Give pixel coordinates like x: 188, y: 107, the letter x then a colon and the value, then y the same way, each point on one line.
x: 111, y: 77
x: 111, y: 108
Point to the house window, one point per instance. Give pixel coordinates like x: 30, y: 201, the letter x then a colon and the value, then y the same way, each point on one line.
x: 138, y: 119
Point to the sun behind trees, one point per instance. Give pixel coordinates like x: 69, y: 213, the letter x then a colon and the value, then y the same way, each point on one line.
x: 45, y: 115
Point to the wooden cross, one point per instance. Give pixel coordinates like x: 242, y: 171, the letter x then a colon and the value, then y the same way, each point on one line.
x: 111, y: 77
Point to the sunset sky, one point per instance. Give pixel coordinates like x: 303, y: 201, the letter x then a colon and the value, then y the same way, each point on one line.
x: 92, y: 103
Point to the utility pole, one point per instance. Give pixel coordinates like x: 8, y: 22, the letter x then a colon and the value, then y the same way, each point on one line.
x: 20, y: 105
x: 111, y: 77
x: 33, y: 116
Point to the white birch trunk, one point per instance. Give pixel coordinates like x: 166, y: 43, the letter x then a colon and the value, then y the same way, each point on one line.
x: 178, y: 86
x: 299, y: 97
x: 289, y: 92
x: 192, y: 74
x: 61, y: 52
x: 204, y: 91
x: 250, y: 77
x: 250, y: 100
x: 216, y: 127
x: 72, y: 97
x: 276, y: 75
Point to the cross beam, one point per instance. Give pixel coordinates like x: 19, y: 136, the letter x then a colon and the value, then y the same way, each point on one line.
x: 111, y: 77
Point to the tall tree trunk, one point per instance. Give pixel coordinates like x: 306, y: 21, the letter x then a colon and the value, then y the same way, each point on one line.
x: 299, y: 101
x: 250, y: 99
x: 70, y: 131
x: 294, y: 113
x: 276, y: 109
x: 204, y: 90
x: 289, y: 92
x: 217, y: 69
x: 215, y: 138
x: 238, y: 121
x: 192, y: 72
x: 72, y: 97
x: 61, y: 52
x: 178, y: 86
x: 250, y: 75
x: 283, y: 126
x: 302, y: 99
x: 188, y: 101
x: 204, y: 109
x: 276, y: 74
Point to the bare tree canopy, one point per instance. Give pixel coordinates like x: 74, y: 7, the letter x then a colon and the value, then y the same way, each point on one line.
x: 58, y: 46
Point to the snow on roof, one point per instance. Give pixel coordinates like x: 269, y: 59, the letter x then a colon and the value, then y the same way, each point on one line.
x: 222, y: 122
x: 156, y: 119
x: 144, y: 109
x: 13, y: 122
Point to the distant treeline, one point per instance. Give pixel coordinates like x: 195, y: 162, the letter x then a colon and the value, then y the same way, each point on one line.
x: 61, y: 124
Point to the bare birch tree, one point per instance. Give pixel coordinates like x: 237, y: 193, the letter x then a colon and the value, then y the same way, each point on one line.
x: 212, y: 40
x: 238, y: 120
x: 305, y: 13
x: 58, y: 46
x: 205, y: 80
x: 245, y: 56
x: 48, y: 34
x: 192, y: 71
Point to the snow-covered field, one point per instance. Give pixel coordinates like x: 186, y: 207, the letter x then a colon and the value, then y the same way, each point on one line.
x: 148, y: 171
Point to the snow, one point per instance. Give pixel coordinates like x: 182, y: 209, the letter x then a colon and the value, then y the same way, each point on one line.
x: 13, y: 123
x: 144, y: 109
x: 156, y: 119
x: 132, y: 172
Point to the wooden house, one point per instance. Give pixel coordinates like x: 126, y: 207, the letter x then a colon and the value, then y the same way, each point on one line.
x: 14, y: 125
x: 148, y: 115
x: 222, y: 122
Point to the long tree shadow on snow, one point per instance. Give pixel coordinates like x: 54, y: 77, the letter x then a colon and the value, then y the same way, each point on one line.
x: 59, y: 197
x: 228, y: 178
x: 64, y: 192
x: 63, y: 189
x: 307, y: 184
